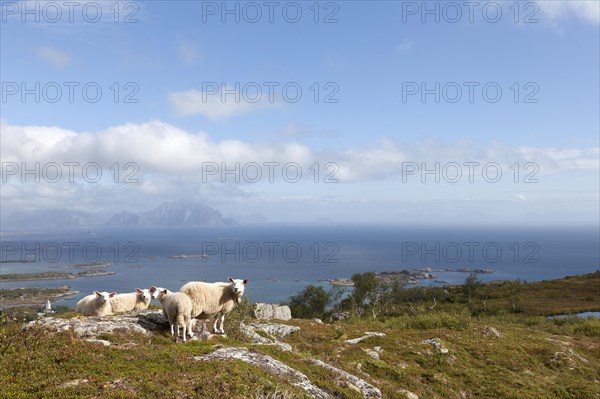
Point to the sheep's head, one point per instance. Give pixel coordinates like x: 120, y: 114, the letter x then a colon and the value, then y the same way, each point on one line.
x: 161, y: 293
x: 103, y: 297
x: 238, y: 285
x: 144, y: 295
x: 154, y: 291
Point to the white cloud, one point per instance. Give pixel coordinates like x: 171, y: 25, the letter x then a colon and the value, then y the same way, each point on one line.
x: 588, y: 10
x: 221, y: 103
x: 54, y: 57
x: 173, y: 164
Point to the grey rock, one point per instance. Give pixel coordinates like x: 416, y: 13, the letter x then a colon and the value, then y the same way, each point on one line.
x: 143, y: 322
x: 368, y: 334
x: 366, y: 389
x: 269, y: 311
x: 408, y: 394
x: 276, y: 329
x: 436, y: 343
x: 252, y: 335
x: 490, y: 331
x: 340, y: 316
x: 271, y: 365
x: 372, y: 353
x: 98, y: 341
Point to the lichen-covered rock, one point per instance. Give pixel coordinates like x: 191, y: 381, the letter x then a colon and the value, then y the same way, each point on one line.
x: 271, y: 365
x: 366, y: 389
x: 340, y: 316
x: 90, y: 327
x: 368, y: 334
x: 269, y: 311
x: 436, y: 343
x: 276, y: 329
x: 408, y: 394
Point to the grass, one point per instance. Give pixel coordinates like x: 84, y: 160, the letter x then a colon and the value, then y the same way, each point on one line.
x: 536, y: 357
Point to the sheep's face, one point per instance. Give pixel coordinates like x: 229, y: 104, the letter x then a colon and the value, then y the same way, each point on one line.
x: 238, y: 285
x: 144, y: 295
x: 154, y: 291
x: 161, y: 293
x: 103, y: 297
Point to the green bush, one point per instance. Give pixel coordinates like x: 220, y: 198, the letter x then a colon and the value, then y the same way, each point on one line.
x: 311, y: 302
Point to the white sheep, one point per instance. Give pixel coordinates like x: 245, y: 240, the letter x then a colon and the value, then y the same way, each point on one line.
x: 96, y: 304
x: 177, y: 308
x: 214, y: 299
x: 138, y: 300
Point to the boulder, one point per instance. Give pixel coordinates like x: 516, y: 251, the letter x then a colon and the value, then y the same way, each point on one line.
x: 269, y: 311
x: 340, y: 316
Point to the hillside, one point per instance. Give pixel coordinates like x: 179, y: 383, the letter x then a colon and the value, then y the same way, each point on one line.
x: 439, y: 349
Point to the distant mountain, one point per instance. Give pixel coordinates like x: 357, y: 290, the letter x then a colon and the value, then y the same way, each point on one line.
x: 173, y: 213
x: 255, y: 218
x: 124, y: 219
x: 51, y: 218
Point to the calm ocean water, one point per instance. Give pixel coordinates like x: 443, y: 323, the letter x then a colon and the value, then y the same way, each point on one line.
x: 281, y: 260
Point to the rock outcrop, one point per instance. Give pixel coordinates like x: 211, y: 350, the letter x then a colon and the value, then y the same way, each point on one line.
x: 368, y: 334
x: 143, y: 322
x: 368, y: 390
x: 276, y: 329
x: 272, y: 365
x: 269, y: 311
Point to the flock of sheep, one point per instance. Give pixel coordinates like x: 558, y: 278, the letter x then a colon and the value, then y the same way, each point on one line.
x: 195, y: 300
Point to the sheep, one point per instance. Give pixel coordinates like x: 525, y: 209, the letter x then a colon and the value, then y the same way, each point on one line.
x: 177, y: 308
x: 138, y: 300
x: 96, y: 304
x: 214, y: 299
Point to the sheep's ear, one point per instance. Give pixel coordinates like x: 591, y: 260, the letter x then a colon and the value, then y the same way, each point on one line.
x: 97, y: 293
x: 139, y: 291
x: 152, y: 289
x: 112, y: 294
x: 165, y: 291
x: 230, y: 279
x: 245, y: 281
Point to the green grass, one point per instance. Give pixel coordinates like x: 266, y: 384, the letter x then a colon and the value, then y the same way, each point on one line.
x: 536, y: 357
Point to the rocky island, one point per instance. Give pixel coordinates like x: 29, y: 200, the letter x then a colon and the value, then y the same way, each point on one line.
x: 409, y: 276
x: 32, y: 296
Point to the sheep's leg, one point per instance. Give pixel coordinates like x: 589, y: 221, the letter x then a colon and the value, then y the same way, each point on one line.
x: 215, y: 329
x: 183, y: 327
x: 173, y: 332
x: 189, y: 328
x: 222, y: 321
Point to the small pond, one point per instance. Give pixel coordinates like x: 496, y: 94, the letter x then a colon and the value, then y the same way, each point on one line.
x: 583, y: 315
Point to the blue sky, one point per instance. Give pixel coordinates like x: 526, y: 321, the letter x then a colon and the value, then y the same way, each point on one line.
x: 368, y: 57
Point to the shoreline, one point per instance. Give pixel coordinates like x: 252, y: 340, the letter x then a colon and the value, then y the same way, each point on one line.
x: 14, y: 277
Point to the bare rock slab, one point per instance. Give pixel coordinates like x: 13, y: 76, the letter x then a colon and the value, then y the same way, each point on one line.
x: 368, y: 334
x: 366, y: 389
x: 271, y: 365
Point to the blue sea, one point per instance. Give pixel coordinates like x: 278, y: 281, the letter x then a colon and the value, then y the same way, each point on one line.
x: 280, y: 260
